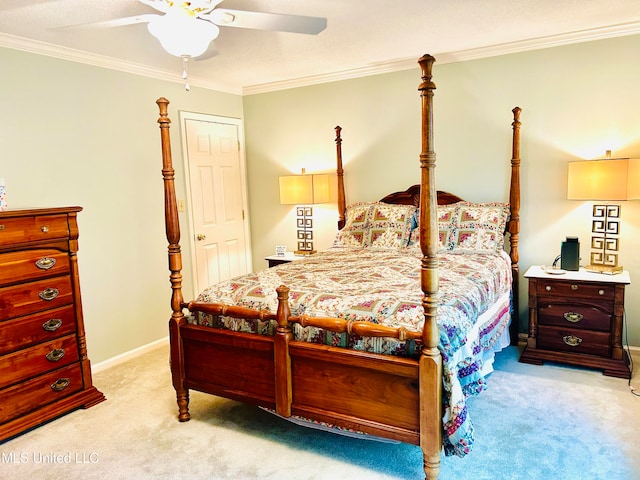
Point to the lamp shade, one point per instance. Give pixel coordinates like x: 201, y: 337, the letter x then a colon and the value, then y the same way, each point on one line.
x: 181, y: 34
x: 609, y: 180
x: 296, y: 189
x: 304, y: 189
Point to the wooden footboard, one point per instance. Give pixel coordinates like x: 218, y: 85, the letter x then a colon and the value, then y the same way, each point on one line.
x: 374, y: 394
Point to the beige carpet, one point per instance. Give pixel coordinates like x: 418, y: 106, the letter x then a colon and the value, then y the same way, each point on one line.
x: 592, y: 421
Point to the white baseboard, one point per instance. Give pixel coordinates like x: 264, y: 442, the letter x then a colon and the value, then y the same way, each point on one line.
x: 123, y: 357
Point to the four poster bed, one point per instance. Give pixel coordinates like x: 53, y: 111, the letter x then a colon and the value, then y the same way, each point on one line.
x: 390, y: 354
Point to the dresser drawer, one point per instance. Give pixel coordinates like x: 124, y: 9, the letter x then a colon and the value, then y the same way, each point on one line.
x: 32, y: 297
x: 574, y: 315
x: 16, y: 267
x: 568, y: 289
x: 39, y: 391
x: 574, y: 340
x: 37, y: 328
x: 33, y: 228
x: 29, y: 362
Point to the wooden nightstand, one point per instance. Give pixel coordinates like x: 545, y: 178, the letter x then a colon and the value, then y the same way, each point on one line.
x: 274, y: 260
x: 577, y: 318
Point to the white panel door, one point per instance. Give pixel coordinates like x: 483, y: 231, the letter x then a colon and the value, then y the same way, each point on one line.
x: 217, y: 202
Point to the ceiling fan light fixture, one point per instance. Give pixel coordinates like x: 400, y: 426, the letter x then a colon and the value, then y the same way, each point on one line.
x: 183, y: 35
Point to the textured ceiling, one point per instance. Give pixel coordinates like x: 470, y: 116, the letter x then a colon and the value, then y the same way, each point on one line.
x: 362, y: 36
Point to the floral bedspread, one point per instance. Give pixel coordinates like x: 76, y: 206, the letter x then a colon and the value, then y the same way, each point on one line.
x: 383, y: 286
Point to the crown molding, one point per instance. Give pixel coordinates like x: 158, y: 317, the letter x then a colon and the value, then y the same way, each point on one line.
x: 65, y: 53
x: 620, y: 30
x: 79, y: 56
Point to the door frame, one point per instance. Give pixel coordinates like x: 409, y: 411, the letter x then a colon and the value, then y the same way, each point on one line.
x: 184, y: 116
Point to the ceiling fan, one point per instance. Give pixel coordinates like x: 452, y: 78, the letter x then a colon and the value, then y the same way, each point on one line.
x: 185, y: 29
x: 188, y: 27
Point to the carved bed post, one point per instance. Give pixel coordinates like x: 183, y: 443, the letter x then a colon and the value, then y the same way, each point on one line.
x: 430, y: 362
x: 175, y: 263
x: 514, y: 225
x: 342, y: 205
x: 282, y: 358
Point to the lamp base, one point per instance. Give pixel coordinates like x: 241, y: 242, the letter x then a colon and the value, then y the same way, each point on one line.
x: 304, y: 252
x: 606, y: 269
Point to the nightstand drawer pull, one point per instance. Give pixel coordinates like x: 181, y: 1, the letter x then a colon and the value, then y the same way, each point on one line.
x: 548, y: 288
x: 44, y: 229
x: 600, y: 292
x: 60, y: 384
x: 49, y: 294
x: 45, y: 263
x: 574, y: 287
x: 572, y: 340
x: 52, y: 324
x: 573, y: 317
x: 55, y: 354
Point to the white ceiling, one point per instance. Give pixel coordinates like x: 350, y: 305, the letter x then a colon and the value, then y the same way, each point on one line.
x: 362, y: 36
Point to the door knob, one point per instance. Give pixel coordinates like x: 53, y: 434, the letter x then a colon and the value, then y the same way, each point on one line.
x: 201, y: 236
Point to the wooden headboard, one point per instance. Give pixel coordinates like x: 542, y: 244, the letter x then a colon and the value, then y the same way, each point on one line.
x: 411, y: 196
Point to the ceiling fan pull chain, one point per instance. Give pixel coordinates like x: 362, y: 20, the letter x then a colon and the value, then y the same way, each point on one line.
x: 185, y: 59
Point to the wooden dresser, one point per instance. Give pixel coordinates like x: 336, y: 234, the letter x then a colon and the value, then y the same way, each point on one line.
x: 577, y: 318
x: 44, y: 368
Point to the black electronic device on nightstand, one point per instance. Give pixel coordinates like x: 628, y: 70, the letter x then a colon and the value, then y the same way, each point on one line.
x: 570, y: 254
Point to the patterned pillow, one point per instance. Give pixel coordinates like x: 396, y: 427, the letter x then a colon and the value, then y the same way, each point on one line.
x: 390, y: 225
x: 479, y: 227
x: 355, y: 232
x: 446, y: 214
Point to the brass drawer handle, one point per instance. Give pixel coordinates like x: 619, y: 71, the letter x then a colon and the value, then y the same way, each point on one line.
x: 548, y: 288
x: 573, y: 317
x: 600, y: 292
x: 60, y: 384
x: 574, y: 287
x: 55, y: 355
x: 49, y: 294
x: 52, y: 324
x: 572, y: 340
x: 45, y: 263
x: 44, y: 229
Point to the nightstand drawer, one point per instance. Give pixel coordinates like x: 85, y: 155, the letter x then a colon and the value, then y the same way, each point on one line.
x: 574, y: 340
x: 39, y: 391
x: 568, y: 289
x: 33, y: 297
x: 574, y: 315
x: 33, y: 228
x: 37, y: 328
x: 16, y: 267
x: 27, y: 363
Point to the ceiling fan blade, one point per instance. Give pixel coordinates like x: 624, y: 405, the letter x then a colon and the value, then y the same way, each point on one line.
x: 278, y: 22
x: 118, y: 22
x: 159, y: 5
